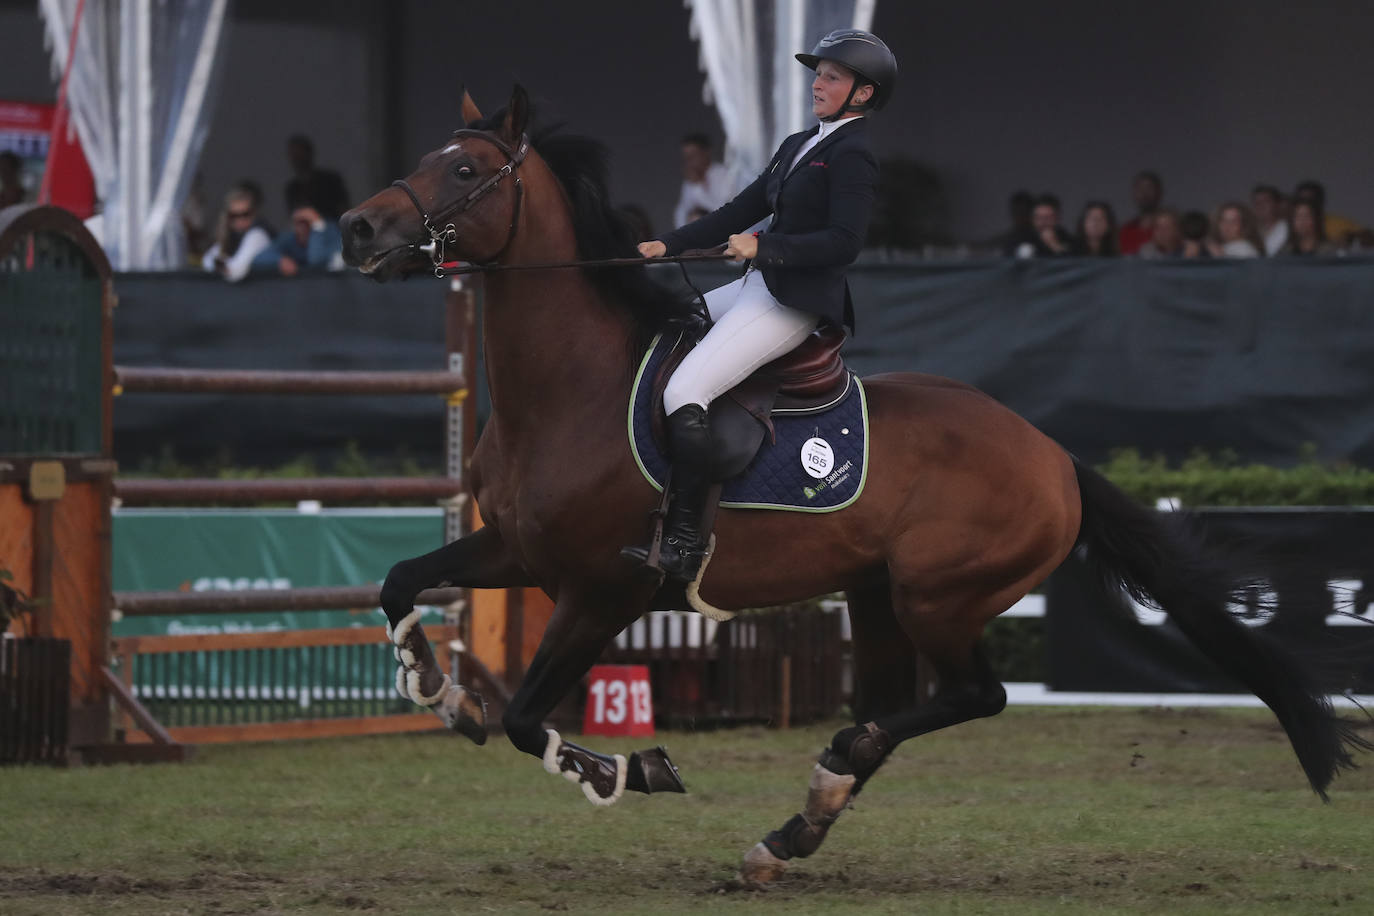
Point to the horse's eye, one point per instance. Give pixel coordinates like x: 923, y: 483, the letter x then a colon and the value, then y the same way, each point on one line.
x: 463, y: 171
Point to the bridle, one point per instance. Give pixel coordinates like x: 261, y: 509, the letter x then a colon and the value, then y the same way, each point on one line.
x: 439, y: 238
x: 448, y: 235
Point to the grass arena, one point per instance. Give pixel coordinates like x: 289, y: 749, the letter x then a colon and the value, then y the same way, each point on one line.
x: 1064, y: 810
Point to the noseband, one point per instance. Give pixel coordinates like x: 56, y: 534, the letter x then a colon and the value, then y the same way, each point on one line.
x: 448, y: 235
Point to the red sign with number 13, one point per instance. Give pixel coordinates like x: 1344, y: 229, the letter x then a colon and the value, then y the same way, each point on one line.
x: 619, y: 702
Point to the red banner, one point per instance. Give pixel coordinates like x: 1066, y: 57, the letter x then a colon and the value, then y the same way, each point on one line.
x: 26, y: 131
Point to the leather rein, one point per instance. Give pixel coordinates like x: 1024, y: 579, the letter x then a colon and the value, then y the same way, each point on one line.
x: 443, y: 233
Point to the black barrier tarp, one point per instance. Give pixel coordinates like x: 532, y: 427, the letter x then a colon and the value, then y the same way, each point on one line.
x: 1258, y: 357
x: 1098, y: 642
x: 320, y: 322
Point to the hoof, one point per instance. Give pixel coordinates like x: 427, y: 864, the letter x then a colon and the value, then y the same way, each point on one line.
x: 651, y: 771
x: 465, y: 712
x: 761, y: 868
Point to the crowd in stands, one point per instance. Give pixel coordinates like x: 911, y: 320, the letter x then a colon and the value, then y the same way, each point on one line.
x: 244, y: 243
x: 1271, y: 224
x: 241, y: 242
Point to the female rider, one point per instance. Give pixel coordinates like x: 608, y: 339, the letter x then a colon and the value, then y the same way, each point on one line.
x: 819, y: 190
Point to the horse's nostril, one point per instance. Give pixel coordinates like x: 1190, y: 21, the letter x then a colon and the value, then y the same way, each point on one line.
x: 360, y: 229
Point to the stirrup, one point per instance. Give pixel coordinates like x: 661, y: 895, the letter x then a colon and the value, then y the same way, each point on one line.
x: 641, y: 555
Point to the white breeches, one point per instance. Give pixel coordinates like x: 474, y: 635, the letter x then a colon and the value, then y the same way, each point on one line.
x: 751, y: 328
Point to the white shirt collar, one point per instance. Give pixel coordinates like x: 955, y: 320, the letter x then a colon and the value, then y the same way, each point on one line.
x: 829, y: 127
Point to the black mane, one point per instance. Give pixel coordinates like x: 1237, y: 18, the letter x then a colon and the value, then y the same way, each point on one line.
x: 581, y: 165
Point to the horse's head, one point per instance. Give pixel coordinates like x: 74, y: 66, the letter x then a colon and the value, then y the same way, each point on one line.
x: 461, y: 204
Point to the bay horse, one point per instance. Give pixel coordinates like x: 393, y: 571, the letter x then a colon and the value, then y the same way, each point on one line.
x: 967, y: 507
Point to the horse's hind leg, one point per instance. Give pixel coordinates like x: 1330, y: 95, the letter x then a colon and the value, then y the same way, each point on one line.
x: 884, y: 658
x: 969, y: 689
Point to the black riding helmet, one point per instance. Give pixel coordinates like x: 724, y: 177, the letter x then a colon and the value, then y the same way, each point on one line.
x: 865, y: 54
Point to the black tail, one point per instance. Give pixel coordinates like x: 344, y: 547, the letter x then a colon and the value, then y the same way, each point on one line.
x: 1162, y: 562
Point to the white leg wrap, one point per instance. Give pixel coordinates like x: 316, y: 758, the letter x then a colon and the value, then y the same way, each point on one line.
x: 401, y: 683
x: 552, y: 767
x: 620, y: 773
x: 551, y: 752
x: 827, y: 795
x: 413, y: 689
x: 398, y: 636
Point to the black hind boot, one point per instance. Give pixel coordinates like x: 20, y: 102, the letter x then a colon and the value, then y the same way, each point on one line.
x: 684, y: 543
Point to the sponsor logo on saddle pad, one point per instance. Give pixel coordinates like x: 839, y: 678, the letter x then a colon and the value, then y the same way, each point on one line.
x: 837, y: 478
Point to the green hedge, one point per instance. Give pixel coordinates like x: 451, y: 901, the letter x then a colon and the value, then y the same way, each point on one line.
x: 1202, y: 480
x: 1219, y: 480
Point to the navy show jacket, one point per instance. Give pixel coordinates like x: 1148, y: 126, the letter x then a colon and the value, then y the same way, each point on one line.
x: 820, y: 213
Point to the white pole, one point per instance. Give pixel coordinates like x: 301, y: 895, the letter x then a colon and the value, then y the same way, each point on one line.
x: 176, y: 163
x: 863, y: 14
x: 143, y: 131
x: 121, y: 226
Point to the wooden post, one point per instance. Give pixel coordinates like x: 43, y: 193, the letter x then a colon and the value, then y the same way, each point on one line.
x: 460, y: 419
x: 42, y: 597
x: 515, y: 636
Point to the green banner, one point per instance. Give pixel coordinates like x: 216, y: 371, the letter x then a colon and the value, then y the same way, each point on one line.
x: 229, y: 549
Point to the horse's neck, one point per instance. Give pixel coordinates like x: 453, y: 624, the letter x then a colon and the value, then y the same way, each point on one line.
x: 556, y: 352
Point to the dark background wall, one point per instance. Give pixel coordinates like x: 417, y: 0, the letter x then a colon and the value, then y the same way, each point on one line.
x: 1072, y: 97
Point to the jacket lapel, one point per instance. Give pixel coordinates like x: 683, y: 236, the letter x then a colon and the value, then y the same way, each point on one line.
x: 848, y: 130
x: 782, y: 163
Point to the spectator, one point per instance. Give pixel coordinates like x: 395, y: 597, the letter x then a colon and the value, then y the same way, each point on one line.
x: 1339, y: 230
x: 1147, y: 190
x: 242, y: 234
x: 1166, y: 238
x: 1096, y: 236
x: 1019, y: 207
x: 195, y: 220
x: 1194, y: 226
x: 319, y: 189
x: 1267, y: 203
x: 1236, y: 235
x: 11, y: 180
x: 1048, y: 239
x: 1307, y: 230
x: 312, y: 243
x: 705, y: 185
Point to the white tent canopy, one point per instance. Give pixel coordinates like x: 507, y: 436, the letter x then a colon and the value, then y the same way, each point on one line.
x: 140, y: 96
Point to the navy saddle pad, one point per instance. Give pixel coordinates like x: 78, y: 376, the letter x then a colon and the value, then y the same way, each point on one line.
x: 818, y: 463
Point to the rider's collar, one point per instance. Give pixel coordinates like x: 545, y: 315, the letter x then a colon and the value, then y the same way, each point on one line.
x: 829, y: 127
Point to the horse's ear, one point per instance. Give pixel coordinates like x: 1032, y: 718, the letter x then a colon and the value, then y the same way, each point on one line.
x: 470, y: 110
x: 517, y: 114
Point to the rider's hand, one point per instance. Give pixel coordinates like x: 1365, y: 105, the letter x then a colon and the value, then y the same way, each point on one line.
x: 1050, y: 237
x: 653, y: 249
x: 743, y: 247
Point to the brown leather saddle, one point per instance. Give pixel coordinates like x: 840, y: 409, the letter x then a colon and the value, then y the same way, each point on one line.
x: 810, y: 379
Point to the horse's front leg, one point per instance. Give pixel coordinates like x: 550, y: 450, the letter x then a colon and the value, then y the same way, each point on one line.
x: 480, y: 560
x: 580, y: 629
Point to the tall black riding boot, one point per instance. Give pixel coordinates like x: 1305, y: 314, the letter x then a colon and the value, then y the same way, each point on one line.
x: 684, y: 543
